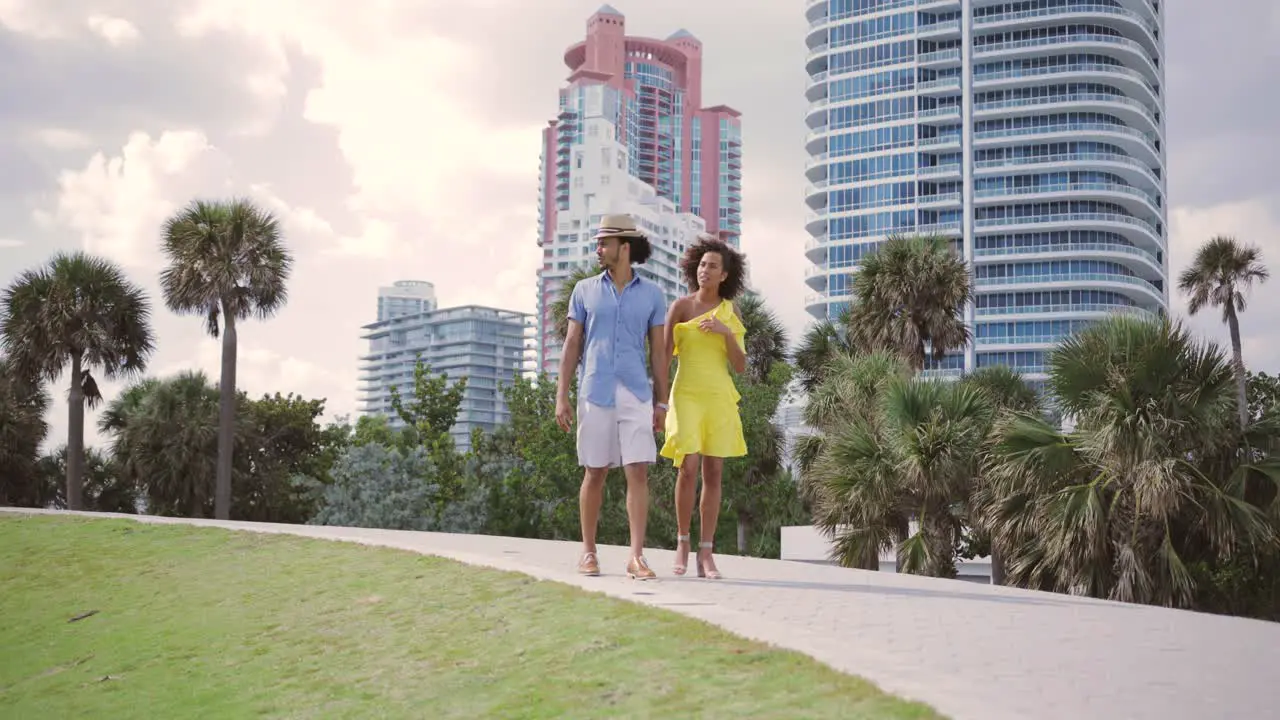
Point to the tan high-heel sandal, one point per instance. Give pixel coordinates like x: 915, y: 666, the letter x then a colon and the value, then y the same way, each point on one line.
x: 681, y: 568
x: 703, y: 572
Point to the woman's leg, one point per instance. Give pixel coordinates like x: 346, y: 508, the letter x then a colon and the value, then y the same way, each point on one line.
x: 686, y: 489
x: 709, y: 509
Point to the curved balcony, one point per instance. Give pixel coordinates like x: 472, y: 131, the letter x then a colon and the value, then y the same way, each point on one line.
x: 1133, y: 199
x: 1135, y: 171
x: 1135, y: 258
x: 1136, y: 288
x: 1136, y: 230
x: 1131, y: 81
x: 1122, y: 47
x: 1135, y: 142
x: 1133, y: 112
x: 1134, y: 25
x: 1066, y: 310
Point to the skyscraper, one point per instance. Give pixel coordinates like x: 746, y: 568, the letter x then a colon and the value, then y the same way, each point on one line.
x: 485, y: 345
x: 633, y: 136
x: 1030, y: 132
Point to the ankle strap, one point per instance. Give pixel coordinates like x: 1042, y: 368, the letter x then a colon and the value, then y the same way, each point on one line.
x: 706, y: 544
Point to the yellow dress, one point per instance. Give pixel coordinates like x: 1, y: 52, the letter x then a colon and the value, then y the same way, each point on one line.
x: 703, y: 418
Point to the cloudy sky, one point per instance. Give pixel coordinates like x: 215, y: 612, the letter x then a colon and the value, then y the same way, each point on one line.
x: 398, y: 139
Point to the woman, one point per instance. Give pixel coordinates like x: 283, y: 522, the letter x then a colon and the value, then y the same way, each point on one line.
x: 703, y: 427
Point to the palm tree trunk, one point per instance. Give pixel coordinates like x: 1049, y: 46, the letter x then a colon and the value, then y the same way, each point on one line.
x: 997, y: 565
x: 226, y: 419
x: 743, y: 527
x: 75, y: 436
x: 1237, y: 358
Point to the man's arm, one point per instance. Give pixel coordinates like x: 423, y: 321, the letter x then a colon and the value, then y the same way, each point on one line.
x: 570, y: 355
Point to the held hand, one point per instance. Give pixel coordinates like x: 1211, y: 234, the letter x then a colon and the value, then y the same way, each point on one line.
x: 712, y: 324
x: 564, y: 414
x: 659, y: 419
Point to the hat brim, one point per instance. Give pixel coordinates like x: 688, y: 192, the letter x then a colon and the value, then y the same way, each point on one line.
x: 622, y: 234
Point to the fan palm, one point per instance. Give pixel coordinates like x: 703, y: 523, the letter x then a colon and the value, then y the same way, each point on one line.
x: 23, y: 405
x: 766, y: 337
x: 1149, y: 481
x: 909, y: 298
x: 77, y: 312
x: 1221, y: 275
x: 227, y: 262
x: 165, y: 439
x: 910, y: 460
x: 1008, y: 393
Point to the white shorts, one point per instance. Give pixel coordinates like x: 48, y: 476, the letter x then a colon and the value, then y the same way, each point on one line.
x: 616, y: 436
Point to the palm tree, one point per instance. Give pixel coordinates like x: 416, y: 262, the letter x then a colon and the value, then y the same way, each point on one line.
x: 23, y: 405
x: 1149, y: 483
x: 910, y: 458
x: 1221, y: 275
x: 766, y: 337
x: 821, y: 343
x: 77, y: 312
x: 226, y: 260
x: 909, y: 297
x: 1008, y: 393
x: 165, y: 440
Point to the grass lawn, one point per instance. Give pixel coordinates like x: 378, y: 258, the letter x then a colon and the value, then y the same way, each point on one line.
x: 193, y: 622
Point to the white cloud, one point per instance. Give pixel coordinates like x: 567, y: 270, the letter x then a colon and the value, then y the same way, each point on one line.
x: 11, y: 243
x: 116, y: 203
x: 26, y: 18
x: 116, y: 31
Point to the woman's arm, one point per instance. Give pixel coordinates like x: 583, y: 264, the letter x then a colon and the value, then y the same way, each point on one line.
x: 737, y: 354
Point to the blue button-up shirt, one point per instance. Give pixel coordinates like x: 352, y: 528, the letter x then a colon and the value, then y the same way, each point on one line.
x: 614, y: 330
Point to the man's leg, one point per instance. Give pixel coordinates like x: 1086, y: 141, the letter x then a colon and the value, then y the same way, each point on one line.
x: 590, y: 497
x: 637, y: 505
x: 639, y: 450
x: 597, y: 450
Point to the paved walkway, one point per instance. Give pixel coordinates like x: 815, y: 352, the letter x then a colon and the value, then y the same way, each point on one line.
x: 971, y: 651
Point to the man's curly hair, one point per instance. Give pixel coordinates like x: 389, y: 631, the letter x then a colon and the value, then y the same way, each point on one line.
x: 735, y: 265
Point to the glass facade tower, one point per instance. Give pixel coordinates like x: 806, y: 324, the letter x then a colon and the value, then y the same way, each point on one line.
x: 1030, y: 133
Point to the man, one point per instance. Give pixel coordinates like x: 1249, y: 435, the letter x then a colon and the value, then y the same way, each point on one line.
x: 610, y: 317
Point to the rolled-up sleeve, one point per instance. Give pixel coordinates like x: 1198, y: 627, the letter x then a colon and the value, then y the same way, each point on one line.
x: 659, y: 315
x: 577, y: 306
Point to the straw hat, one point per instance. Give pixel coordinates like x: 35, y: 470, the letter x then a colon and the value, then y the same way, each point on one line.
x: 619, y: 226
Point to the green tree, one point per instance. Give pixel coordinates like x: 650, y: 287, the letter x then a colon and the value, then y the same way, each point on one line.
x: 23, y: 405
x: 431, y: 412
x: 165, y: 441
x: 560, y: 306
x: 1221, y: 275
x: 376, y: 486
x: 1007, y: 393
x: 287, y: 452
x: 1151, y: 482
x: 76, y: 313
x: 751, y: 481
x: 910, y: 457
x: 105, y: 489
x: 227, y: 263
x: 909, y: 298
x: 1264, y: 395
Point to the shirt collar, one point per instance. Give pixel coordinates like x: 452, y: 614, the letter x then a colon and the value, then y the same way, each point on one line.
x: 608, y: 277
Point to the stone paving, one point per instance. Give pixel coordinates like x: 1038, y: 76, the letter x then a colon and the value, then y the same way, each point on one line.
x: 971, y: 651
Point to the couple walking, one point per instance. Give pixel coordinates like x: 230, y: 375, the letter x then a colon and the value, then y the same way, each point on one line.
x: 611, y: 316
